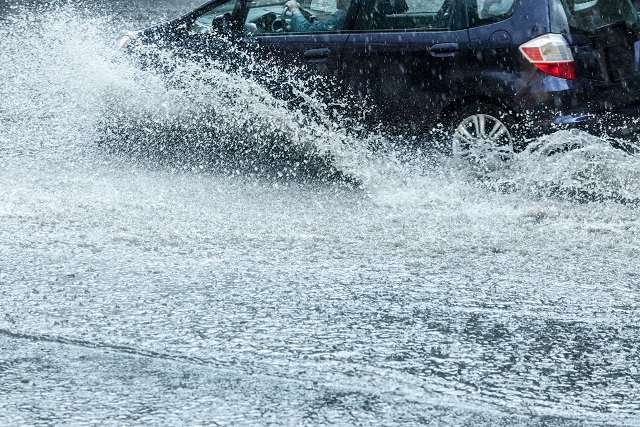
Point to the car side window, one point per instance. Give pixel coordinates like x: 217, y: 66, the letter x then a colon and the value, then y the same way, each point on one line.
x: 320, y: 16
x: 273, y: 17
x: 483, y: 12
x: 311, y: 16
x: 410, y: 14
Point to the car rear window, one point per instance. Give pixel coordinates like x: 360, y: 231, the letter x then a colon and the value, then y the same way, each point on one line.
x: 588, y: 16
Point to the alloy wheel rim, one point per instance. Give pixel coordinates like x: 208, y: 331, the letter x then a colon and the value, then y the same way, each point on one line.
x: 482, y: 138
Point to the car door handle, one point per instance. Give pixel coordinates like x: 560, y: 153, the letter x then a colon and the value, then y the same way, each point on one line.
x: 444, y: 50
x: 317, y: 55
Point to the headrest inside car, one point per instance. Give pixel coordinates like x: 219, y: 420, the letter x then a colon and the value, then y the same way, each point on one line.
x: 391, y: 7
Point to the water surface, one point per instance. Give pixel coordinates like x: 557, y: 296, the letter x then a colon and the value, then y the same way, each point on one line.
x: 204, y: 287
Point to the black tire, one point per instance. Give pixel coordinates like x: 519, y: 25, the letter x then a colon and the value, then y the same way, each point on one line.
x: 480, y: 132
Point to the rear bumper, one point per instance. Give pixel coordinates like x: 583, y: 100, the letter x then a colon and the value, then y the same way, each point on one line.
x: 622, y: 122
x: 554, y: 106
x: 618, y: 122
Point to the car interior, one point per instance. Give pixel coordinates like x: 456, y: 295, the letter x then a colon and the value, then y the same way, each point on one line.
x: 410, y: 14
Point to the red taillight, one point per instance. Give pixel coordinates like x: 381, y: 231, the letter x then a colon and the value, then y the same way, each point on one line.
x: 551, y: 54
x: 565, y: 70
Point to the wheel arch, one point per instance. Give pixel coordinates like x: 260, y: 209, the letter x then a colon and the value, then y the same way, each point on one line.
x: 449, y: 110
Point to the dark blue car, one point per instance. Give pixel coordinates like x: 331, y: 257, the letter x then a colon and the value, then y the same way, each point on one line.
x: 485, y: 73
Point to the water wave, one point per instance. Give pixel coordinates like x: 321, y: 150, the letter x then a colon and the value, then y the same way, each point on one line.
x: 574, y: 166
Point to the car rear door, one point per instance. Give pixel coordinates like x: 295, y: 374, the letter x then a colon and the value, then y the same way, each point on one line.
x: 408, y: 57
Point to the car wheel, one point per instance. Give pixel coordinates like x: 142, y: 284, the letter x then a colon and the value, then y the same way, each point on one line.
x: 481, y: 134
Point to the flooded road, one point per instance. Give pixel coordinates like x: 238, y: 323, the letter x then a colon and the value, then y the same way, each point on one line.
x: 203, y: 288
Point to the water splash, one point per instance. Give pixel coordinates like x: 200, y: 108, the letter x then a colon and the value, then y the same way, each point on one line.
x: 69, y: 80
x: 68, y: 84
x: 574, y: 166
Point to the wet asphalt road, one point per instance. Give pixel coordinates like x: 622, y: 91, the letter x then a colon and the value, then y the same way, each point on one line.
x: 191, y: 293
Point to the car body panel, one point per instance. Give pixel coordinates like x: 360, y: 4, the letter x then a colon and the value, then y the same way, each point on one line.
x: 403, y: 72
x: 417, y: 75
x: 319, y: 51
